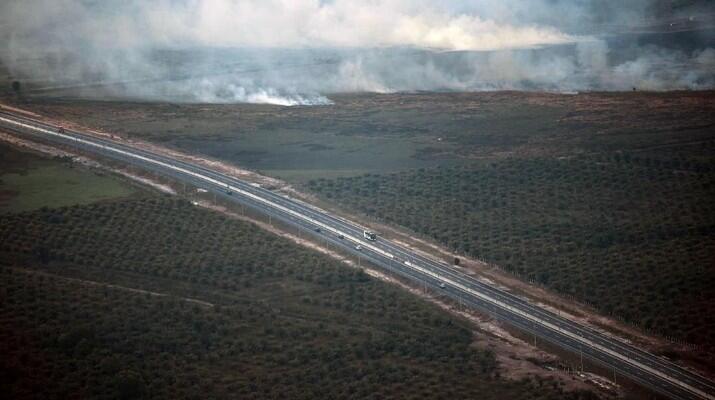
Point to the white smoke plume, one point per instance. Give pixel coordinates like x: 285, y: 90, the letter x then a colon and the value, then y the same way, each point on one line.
x: 300, y: 51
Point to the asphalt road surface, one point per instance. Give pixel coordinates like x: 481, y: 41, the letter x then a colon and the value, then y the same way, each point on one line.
x: 653, y: 372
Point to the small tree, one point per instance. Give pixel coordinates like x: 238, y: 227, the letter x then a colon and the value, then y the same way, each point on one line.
x: 129, y: 385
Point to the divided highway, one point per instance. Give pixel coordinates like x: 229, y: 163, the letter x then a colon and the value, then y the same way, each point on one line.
x: 651, y: 371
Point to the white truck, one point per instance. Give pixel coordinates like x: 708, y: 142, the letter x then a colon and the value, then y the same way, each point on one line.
x: 369, y: 235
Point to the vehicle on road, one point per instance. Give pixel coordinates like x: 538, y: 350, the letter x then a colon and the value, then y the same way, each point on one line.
x: 645, y: 368
x: 341, y: 236
x: 61, y: 130
x: 369, y: 235
x: 317, y: 229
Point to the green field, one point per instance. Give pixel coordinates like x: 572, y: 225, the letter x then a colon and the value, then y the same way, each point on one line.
x: 235, y: 312
x: 29, y: 182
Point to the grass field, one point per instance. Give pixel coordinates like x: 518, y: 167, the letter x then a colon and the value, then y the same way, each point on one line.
x: 29, y: 182
x: 155, y: 298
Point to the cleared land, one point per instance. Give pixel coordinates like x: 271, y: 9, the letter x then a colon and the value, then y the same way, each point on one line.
x: 29, y: 182
x: 156, y: 298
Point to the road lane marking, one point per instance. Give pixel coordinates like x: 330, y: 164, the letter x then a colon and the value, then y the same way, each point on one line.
x: 494, y: 299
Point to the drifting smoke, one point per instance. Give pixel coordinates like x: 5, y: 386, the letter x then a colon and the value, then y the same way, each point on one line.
x: 300, y: 51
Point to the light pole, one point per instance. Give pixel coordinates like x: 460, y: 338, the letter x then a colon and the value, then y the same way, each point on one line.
x: 614, y: 376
